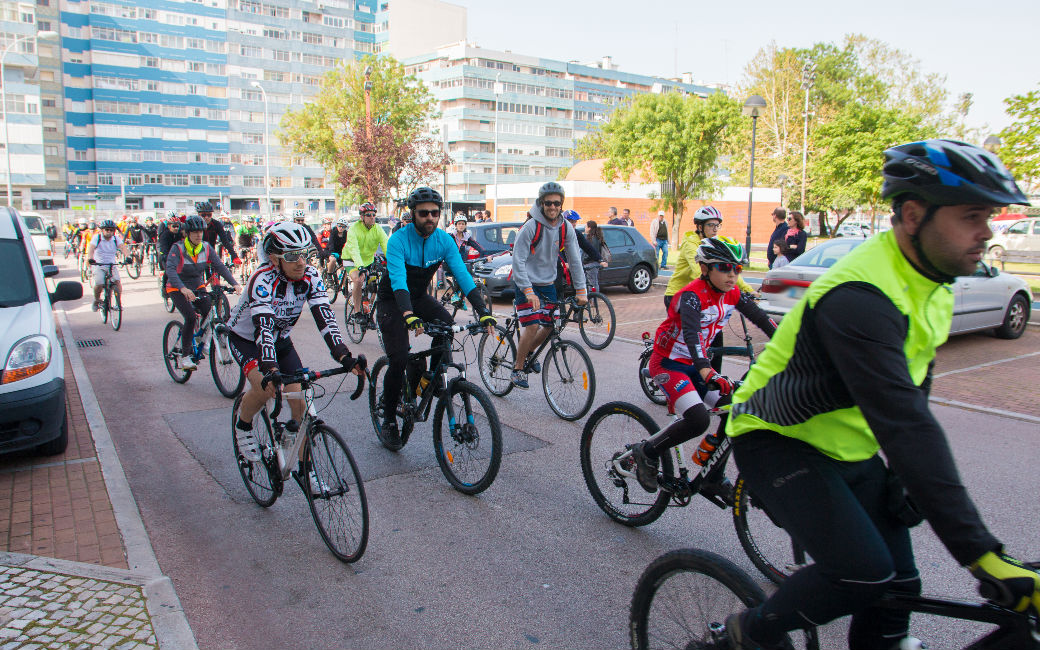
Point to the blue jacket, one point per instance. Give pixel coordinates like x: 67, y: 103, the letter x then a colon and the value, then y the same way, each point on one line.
x: 412, y: 261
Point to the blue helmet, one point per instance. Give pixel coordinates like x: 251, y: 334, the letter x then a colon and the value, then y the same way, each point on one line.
x: 571, y: 215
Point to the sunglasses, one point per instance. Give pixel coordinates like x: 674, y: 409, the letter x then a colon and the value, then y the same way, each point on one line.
x: 727, y: 267
x: 368, y: 214
x: 108, y: 230
x: 296, y: 256
x: 553, y: 204
x: 428, y: 213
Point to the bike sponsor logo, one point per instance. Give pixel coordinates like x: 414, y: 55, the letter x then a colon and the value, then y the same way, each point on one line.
x: 262, y: 291
x: 681, y: 384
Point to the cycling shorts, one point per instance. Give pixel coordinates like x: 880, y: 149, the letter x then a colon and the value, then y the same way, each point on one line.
x: 682, y: 384
x: 542, y: 316
x: 247, y: 354
x: 100, y: 272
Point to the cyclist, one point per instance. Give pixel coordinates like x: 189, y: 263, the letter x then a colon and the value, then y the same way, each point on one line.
x: 135, y: 237
x: 101, y: 249
x: 151, y: 231
x: 261, y: 322
x: 323, y: 236
x: 538, y: 247
x: 413, y: 255
x: 215, y: 231
x: 364, y: 238
x: 337, y: 240
x: 699, y: 311
x: 463, y: 239
x: 846, y: 376
x: 247, y: 234
x: 300, y: 218
x: 592, y: 259
x: 187, y: 264
x: 87, y: 235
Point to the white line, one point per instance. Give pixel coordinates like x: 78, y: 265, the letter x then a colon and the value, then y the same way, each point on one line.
x: 645, y: 320
x: 985, y: 409
x: 985, y: 365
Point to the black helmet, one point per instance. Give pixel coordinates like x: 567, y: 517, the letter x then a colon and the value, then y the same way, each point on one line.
x: 107, y: 223
x: 194, y: 223
x: 552, y: 187
x: 948, y: 172
x: 424, y: 195
x: 203, y: 206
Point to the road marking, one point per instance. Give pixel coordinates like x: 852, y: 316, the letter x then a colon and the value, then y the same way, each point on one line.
x: 985, y: 409
x: 645, y: 320
x: 985, y: 365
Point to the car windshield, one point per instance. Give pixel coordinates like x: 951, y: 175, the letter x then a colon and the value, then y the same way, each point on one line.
x: 825, y: 255
x: 34, y: 224
x: 19, y: 286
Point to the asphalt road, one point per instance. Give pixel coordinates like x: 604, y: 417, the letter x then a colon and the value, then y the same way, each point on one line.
x: 531, y: 562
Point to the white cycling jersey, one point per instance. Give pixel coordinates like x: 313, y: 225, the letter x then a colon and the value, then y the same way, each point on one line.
x: 269, y: 293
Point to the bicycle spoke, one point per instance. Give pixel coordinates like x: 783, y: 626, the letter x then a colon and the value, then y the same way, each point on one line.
x: 467, y: 438
x: 340, y: 509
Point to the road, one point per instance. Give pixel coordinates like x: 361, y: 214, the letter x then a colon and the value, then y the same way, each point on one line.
x: 531, y: 562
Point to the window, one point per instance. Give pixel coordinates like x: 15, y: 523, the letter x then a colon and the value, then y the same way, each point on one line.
x: 252, y: 181
x: 198, y: 180
x: 50, y: 150
x: 177, y: 179
x: 252, y: 138
x: 153, y: 179
x: 1020, y: 228
x: 79, y: 155
x: 104, y: 179
x: 313, y: 39
x: 218, y: 159
x: 48, y: 103
x: 150, y: 61
x: 251, y: 51
x: 280, y: 55
x: 217, y: 114
x: 158, y: 204
x: 313, y: 182
x: 134, y: 179
x: 252, y: 95
x: 175, y: 156
x: 218, y: 180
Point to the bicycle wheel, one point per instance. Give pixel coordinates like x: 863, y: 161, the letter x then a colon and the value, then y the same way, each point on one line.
x: 650, y: 389
x: 469, y: 448
x: 683, y: 598
x: 260, y: 476
x: 167, y: 302
x: 766, y: 544
x: 597, y: 322
x: 495, y: 358
x: 446, y: 300
x: 223, y: 307
x: 355, y: 321
x: 332, y: 284
x: 340, y: 510
x: 106, y: 302
x: 227, y: 374
x: 152, y: 262
x: 608, y: 468
x: 133, y: 270
x: 171, y: 350
x: 375, y: 408
x: 568, y: 380
x: 115, y: 310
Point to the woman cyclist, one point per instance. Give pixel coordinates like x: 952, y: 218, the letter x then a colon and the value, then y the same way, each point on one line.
x: 696, y: 315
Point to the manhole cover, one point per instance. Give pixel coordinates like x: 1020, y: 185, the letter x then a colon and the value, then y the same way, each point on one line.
x: 90, y: 343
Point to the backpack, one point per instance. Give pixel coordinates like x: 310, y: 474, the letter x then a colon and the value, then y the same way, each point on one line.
x: 563, y: 273
x: 662, y: 230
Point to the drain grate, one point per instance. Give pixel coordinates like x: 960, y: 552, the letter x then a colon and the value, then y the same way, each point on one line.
x: 90, y: 343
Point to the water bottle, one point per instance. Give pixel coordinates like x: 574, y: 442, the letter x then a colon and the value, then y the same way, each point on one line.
x: 424, y: 381
x: 706, y: 449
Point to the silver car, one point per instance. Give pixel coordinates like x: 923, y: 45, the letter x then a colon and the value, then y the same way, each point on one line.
x: 985, y: 300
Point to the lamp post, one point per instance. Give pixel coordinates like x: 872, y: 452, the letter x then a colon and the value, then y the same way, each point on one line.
x: 498, y: 91
x: 44, y: 36
x: 267, y: 151
x: 753, y: 107
x: 991, y: 143
x: 368, y: 103
x: 783, y: 180
x: 808, y: 80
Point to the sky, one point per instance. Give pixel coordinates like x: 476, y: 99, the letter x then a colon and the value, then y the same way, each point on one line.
x: 990, y: 48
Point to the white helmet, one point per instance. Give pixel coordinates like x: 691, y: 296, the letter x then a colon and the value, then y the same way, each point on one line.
x: 298, y: 214
x: 286, y: 236
x: 343, y: 221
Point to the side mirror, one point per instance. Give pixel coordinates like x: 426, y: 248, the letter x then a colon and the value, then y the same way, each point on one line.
x: 993, y: 271
x: 67, y: 290
x: 50, y: 270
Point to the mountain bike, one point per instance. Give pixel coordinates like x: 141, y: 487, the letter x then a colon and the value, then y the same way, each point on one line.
x: 111, y: 302
x: 683, y: 598
x: 568, y: 377
x: 315, y: 456
x: 212, y: 333
x: 467, y: 435
x: 595, y: 319
x: 452, y: 298
x: 358, y: 321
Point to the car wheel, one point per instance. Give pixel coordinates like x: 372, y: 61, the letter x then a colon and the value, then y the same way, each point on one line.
x: 996, y: 253
x: 1015, y: 318
x: 640, y: 279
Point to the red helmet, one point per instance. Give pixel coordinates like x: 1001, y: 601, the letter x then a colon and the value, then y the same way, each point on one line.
x: 367, y: 207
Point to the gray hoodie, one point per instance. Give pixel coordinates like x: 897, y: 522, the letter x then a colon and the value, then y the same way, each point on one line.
x: 539, y: 267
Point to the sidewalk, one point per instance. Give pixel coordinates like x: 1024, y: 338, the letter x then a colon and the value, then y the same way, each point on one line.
x: 76, y: 566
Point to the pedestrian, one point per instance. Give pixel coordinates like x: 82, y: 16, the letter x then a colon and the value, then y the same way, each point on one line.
x: 626, y: 219
x: 659, y: 234
x: 779, y: 232
x: 594, y: 236
x: 780, y: 252
x: 796, y: 236
x: 612, y: 217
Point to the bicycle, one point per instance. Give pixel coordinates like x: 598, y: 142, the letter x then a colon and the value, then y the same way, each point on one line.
x: 211, y: 333
x: 86, y: 269
x: 650, y: 389
x: 133, y: 269
x: 568, y: 377
x: 319, y: 461
x: 683, y: 598
x: 112, y: 303
x: 452, y: 298
x: 469, y: 466
x: 595, y: 319
x: 357, y: 322
x: 151, y: 252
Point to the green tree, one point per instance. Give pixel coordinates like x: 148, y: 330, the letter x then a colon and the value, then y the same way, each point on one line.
x: 325, y: 128
x: 672, y: 138
x: 1020, y: 142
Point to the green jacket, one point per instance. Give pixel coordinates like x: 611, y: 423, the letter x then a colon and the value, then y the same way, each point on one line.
x: 788, y: 389
x: 686, y: 269
x: 362, y: 243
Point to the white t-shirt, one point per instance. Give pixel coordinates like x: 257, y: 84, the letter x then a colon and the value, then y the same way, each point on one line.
x: 105, y: 250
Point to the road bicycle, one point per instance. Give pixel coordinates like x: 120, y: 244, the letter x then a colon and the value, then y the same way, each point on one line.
x: 359, y: 321
x: 568, y: 377
x: 111, y: 308
x: 314, y: 455
x: 452, y: 298
x: 248, y: 256
x: 211, y: 338
x: 683, y: 598
x: 467, y: 435
x: 336, y: 282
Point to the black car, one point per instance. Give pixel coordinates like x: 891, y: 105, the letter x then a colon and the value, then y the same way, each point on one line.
x: 633, y: 261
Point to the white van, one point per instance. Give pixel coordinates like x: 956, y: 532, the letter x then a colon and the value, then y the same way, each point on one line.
x: 1023, y: 236
x: 38, y: 230
x: 32, y: 380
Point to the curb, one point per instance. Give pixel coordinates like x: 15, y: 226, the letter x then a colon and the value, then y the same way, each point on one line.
x: 168, y: 619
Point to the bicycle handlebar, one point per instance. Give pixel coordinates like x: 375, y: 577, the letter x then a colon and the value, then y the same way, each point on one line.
x: 306, y: 376
x: 434, y: 328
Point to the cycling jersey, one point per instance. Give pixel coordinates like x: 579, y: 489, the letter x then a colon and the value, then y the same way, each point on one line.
x: 135, y: 234
x: 270, y: 306
x: 337, y: 240
x: 184, y: 270
x: 465, y: 240
x: 687, y: 267
x: 362, y: 243
x: 246, y: 235
x: 411, y: 262
x: 86, y: 235
x: 150, y: 233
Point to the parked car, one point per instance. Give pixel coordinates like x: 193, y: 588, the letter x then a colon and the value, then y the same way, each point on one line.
x: 492, y: 237
x: 633, y: 261
x: 1021, y: 236
x: 985, y: 300
x: 32, y: 383
x: 41, y: 240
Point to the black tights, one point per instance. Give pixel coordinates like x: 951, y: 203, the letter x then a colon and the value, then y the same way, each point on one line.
x: 202, y: 304
x: 395, y: 341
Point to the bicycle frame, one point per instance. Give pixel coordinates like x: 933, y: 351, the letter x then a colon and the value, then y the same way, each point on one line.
x: 420, y: 412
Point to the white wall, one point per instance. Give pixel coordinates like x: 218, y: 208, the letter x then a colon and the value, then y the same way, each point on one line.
x: 421, y: 26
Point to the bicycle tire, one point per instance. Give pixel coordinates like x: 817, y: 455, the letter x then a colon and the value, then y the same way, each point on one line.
x: 115, y: 311
x: 171, y: 350
x: 606, y: 436
x: 597, y: 321
x: 458, y: 447
x: 332, y: 283
x: 496, y: 361
x: 650, y: 389
x: 106, y: 303
x: 576, y: 389
x: 167, y: 301
x: 133, y: 270
x: 261, y: 478
x: 683, y: 598
x: 223, y: 307
x: 375, y: 397
x: 765, y: 542
x: 446, y: 300
x: 341, y: 512
x: 355, y: 329
x: 227, y: 374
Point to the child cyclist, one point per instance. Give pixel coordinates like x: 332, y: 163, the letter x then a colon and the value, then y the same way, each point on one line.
x: 696, y: 314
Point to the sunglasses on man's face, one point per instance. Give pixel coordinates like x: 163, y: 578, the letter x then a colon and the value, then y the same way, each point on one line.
x: 428, y: 213
x: 368, y: 214
x: 108, y: 230
x: 727, y: 267
x: 552, y: 204
x: 296, y: 256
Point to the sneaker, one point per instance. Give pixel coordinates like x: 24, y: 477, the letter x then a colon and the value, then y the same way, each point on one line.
x: 533, y: 365
x: 739, y: 640
x: 722, y: 489
x: 95, y: 306
x: 186, y: 363
x: 247, y: 445
x: 646, y: 467
x: 519, y: 379
x: 318, y: 487
x: 390, y: 431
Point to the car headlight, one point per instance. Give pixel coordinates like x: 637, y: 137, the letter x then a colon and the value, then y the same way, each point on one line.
x: 502, y: 271
x: 28, y: 357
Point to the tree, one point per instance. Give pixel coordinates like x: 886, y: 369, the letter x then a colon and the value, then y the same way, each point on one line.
x: 377, y: 163
x: 328, y: 127
x: 1020, y: 142
x: 673, y: 138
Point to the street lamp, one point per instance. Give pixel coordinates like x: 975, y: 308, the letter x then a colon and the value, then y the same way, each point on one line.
x: 43, y: 36
x: 808, y: 80
x: 368, y: 103
x: 498, y: 91
x: 267, y: 151
x: 753, y: 108
x: 991, y: 143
